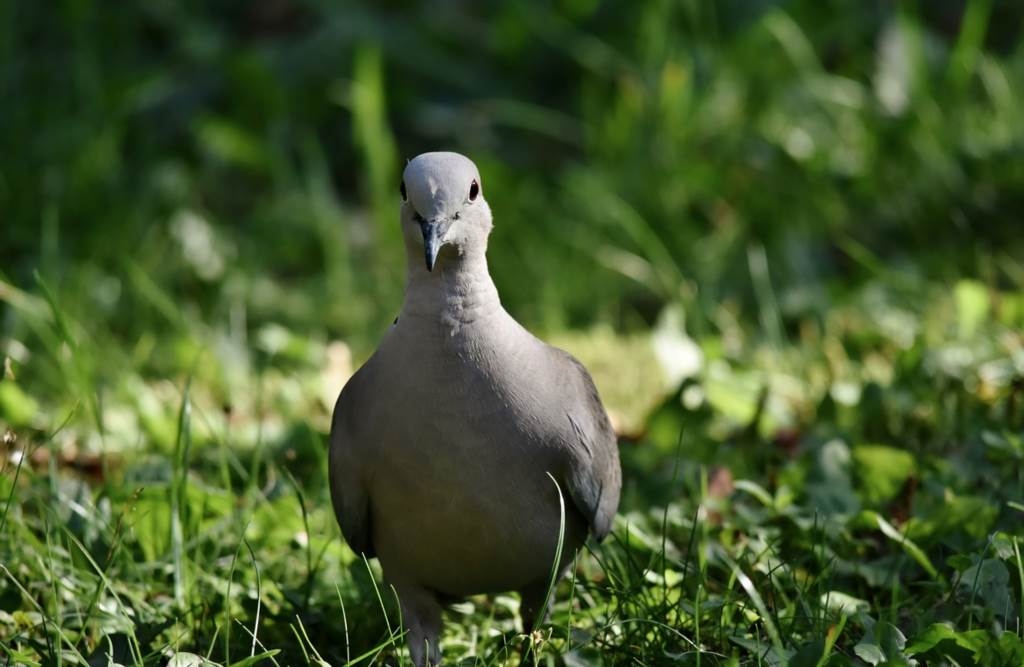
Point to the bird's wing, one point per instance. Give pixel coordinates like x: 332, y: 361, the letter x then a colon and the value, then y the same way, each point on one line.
x: 348, y: 490
x: 592, y: 473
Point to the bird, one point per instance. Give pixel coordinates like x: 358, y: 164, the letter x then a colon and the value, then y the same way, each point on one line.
x: 465, y: 447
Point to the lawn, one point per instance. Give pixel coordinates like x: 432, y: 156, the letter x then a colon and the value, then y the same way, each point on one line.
x: 783, y: 236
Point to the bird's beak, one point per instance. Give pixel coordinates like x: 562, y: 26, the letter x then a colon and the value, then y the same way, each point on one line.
x: 434, y: 231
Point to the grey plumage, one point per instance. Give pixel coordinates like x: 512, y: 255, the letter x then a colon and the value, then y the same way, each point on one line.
x: 441, y: 443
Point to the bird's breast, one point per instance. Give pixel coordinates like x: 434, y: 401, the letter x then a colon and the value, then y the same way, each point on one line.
x: 458, y: 442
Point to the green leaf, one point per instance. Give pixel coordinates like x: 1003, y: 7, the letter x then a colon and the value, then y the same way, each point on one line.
x: 973, y: 515
x: 936, y: 633
x: 1002, y: 545
x: 869, y: 653
x: 930, y: 638
x: 912, y: 549
x: 959, y: 562
x: 756, y: 490
x: 990, y: 581
x: 829, y: 485
x: 230, y: 142
x: 184, y: 659
x: 1007, y: 650
x: 16, y: 407
x: 882, y: 471
x: 808, y: 655
x: 767, y: 653
x: 883, y: 643
x: 972, y: 305
x: 255, y: 659
x: 1011, y: 309
x: 841, y: 603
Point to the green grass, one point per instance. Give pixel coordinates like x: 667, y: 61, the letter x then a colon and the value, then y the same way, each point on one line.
x: 784, y: 238
x: 866, y: 496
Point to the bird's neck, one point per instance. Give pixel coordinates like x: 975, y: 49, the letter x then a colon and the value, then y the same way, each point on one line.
x: 458, y: 291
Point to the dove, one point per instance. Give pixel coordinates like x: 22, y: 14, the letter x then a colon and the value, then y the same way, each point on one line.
x: 465, y: 447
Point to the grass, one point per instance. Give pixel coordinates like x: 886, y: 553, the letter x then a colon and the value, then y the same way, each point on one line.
x: 785, y: 241
x: 868, y: 503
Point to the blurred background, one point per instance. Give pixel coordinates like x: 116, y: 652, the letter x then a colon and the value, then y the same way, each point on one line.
x: 241, y: 160
x: 180, y: 175
x: 755, y: 221
x: 193, y: 186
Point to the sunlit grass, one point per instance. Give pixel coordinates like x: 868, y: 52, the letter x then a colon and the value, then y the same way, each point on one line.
x: 788, y: 536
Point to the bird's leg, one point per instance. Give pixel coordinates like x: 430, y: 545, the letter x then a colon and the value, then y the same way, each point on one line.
x: 532, y: 599
x: 421, y: 616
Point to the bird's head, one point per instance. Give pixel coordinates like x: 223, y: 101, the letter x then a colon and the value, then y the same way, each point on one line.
x: 444, y: 214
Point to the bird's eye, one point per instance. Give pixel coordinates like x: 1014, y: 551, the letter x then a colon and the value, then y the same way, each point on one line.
x: 401, y: 188
x: 474, y: 190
